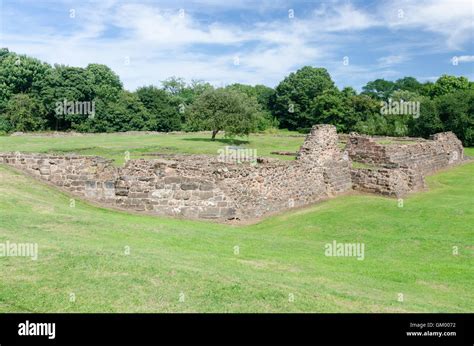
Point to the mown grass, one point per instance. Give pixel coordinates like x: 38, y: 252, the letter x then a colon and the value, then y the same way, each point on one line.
x: 115, y: 146
x: 408, y: 250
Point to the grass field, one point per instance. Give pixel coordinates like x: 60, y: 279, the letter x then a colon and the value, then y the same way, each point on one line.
x: 189, y: 266
x: 114, y: 146
x: 280, y: 264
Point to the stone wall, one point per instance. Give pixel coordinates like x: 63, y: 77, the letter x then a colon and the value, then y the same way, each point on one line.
x: 321, y: 149
x: 207, y: 187
x: 78, y: 174
x: 393, y: 182
x: 199, y: 186
x: 443, y: 150
x: 400, y: 164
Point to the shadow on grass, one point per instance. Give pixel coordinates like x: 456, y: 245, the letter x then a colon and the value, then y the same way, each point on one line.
x: 219, y: 140
x: 68, y: 150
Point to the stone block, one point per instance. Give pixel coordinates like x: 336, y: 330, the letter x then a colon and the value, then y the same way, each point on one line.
x: 173, y: 180
x: 162, y: 193
x: 206, y: 186
x: 189, y: 186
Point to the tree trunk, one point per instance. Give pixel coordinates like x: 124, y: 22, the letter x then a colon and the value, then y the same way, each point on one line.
x: 214, y: 133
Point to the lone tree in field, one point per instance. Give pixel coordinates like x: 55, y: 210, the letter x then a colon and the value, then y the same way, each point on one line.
x: 224, y: 110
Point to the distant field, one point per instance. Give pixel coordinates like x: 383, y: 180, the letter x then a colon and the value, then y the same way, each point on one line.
x: 277, y: 265
x: 114, y: 146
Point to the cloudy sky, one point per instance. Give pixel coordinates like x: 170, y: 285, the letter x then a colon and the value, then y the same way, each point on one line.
x: 254, y: 42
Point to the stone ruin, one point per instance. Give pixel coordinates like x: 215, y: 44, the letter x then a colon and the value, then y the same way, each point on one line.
x: 398, y: 166
x: 205, y: 187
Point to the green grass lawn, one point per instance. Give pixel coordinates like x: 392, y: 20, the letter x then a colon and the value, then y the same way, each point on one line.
x: 114, y: 146
x: 408, y: 250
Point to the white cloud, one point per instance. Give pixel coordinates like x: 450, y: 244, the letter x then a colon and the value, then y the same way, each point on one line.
x: 172, y: 27
x: 157, y: 43
x: 161, y: 43
x: 343, y: 17
x: 452, y: 19
x: 465, y: 58
x: 391, y: 60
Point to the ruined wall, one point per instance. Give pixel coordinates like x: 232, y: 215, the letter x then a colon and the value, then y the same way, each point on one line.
x: 443, y: 150
x: 200, y: 186
x: 399, y: 165
x: 140, y: 185
x: 206, y: 187
x: 395, y: 182
x: 321, y: 149
x: 78, y: 174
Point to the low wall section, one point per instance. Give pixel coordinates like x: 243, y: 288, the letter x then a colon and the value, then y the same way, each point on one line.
x: 200, y: 186
x: 444, y: 149
x: 205, y: 187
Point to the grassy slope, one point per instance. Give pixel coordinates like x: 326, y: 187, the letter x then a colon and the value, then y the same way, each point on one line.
x: 407, y: 250
x: 114, y: 146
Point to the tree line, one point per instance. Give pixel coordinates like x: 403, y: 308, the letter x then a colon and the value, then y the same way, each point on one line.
x: 36, y: 96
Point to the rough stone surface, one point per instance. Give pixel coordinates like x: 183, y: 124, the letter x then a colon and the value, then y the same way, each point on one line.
x: 204, y: 187
x: 393, y: 182
x: 444, y: 149
x: 399, y: 167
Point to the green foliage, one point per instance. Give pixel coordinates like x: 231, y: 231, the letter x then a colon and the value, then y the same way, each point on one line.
x: 456, y: 111
x: 249, y: 90
x: 182, y: 93
x: 294, y: 96
x: 408, y: 84
x: 23, y: 113
x: 363, y: 108
x: 427, y: 89
x: 266, y: 121
x: 428, y: 122
x: 224, y: 109
x: 379, y: 89
x: 302, y: 99
x: 65, y: 84
x: 126, y: 114
x: 174, y: 85
x: 345, y: 109
x: 372, y: 125
x: 331, y: 107
x: 404, y: 95
x: 105, y: 83
x: 19, y: 74
x: 369, y: 119
x: 263, y: 95
x: 348, y: 92
x: 163, y: 115
x: 385, y: 125
x: 444, y: 106
x: 449, y: 84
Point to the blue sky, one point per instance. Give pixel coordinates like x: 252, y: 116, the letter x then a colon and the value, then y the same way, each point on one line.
x: 254, y: 42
